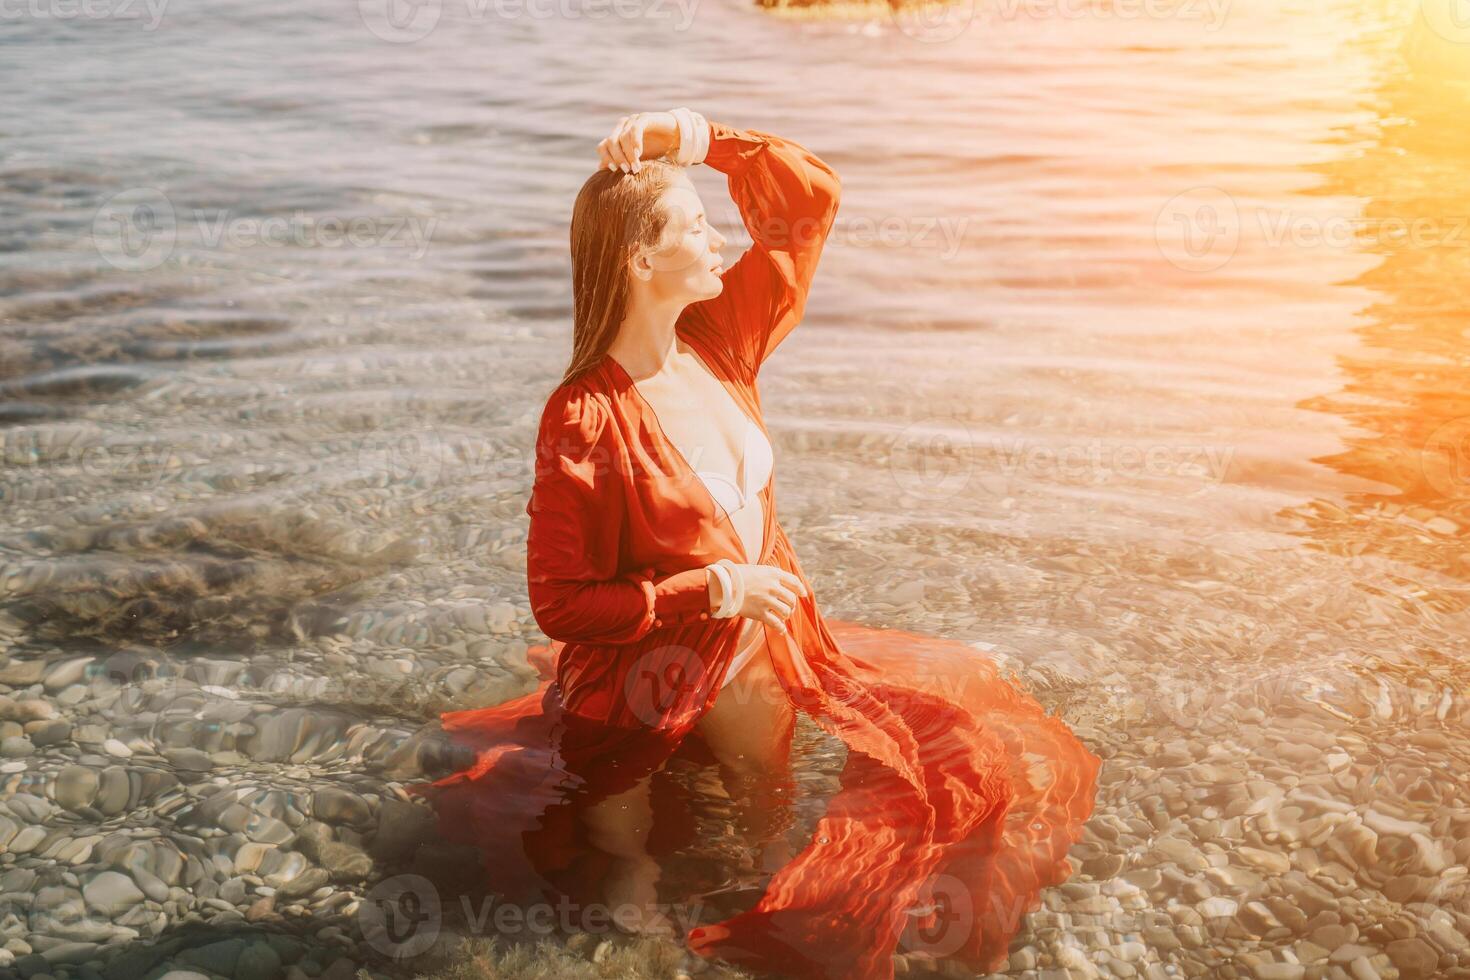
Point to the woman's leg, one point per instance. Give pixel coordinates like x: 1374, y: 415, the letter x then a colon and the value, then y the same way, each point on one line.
x: 749, y: 727
x: 619, y: 826
x: 749, y: 730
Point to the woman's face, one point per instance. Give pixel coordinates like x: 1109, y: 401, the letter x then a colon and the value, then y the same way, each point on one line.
x: 685, y: 266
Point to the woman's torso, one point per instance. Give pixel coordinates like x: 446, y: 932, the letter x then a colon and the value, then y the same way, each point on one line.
x: 727, y: 451
x: 724, y: 447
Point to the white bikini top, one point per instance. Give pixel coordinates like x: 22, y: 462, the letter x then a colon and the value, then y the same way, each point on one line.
x: 756, y: 462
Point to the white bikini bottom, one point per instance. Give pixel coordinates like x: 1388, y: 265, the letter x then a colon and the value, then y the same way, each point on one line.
x: 752, y: 638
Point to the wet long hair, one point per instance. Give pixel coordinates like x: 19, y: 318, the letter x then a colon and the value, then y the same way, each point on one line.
x: 615, y: 215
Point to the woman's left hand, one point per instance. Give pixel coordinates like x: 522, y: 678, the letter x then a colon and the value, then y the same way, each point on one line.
x: 641, y: 136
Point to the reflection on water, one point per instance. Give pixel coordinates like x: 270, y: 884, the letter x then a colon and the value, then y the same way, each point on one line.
x: 1137, y: 362
x: 1407, y: 389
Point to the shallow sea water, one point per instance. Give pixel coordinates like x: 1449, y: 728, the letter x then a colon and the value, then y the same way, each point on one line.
x: 1137, y: 361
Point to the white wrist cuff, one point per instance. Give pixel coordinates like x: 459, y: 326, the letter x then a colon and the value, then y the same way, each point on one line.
x: 693, y: 136
x: 734, y: 585
x: 723, y: 577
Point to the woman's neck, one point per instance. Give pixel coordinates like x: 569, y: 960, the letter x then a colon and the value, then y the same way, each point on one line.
x: 646, y: 336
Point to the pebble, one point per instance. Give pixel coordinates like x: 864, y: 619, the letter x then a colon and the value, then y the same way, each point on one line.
x: 1218, y: 907
x: 44, y: 733
x: 76, y: 787
x: 1279, y: 971
x: 1257, y: 846
x: 189, y: 759
x: 220, y: 957
x: 258, y: 961
x: 16, y: 747
x: 112, y: 893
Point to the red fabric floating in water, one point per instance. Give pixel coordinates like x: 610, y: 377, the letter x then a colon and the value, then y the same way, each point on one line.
x: 973, y: 823
x: 960, y: 795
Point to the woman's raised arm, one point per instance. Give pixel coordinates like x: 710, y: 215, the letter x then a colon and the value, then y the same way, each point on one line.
x: 572, y: 548
x: 788, y: 200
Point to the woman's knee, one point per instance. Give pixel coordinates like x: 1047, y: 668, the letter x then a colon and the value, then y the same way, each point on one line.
x: 620, y: 824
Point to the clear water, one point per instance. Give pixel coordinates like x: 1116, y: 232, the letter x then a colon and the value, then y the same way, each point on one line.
x: 1138, y: 357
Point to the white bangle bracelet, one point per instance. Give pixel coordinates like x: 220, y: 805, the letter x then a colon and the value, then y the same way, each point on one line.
x: 693, y: 136
x: 701, y: 138
x: 686, y: 135
x: 735, y: 596
x: 723, y: 577
x: 727, y: 586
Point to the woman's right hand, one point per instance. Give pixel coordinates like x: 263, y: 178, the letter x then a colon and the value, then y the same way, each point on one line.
x: 770, y: 594
x: 641, y: 136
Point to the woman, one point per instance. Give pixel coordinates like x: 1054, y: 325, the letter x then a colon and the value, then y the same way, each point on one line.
x: 676, y: 607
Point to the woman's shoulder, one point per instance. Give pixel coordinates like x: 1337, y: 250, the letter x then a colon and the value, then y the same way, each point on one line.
x: 576, y: 413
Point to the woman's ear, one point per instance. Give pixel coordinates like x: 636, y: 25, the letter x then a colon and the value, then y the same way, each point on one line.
x: 641, y: 264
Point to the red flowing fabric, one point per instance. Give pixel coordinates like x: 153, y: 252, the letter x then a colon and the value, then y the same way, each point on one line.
x: 960, y: 796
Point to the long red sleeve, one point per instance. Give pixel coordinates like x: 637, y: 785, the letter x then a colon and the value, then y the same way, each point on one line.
x: 788, y: 200
x: 572, y: 548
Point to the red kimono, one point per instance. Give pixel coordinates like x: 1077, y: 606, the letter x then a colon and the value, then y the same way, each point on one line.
x: 960, y: 796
